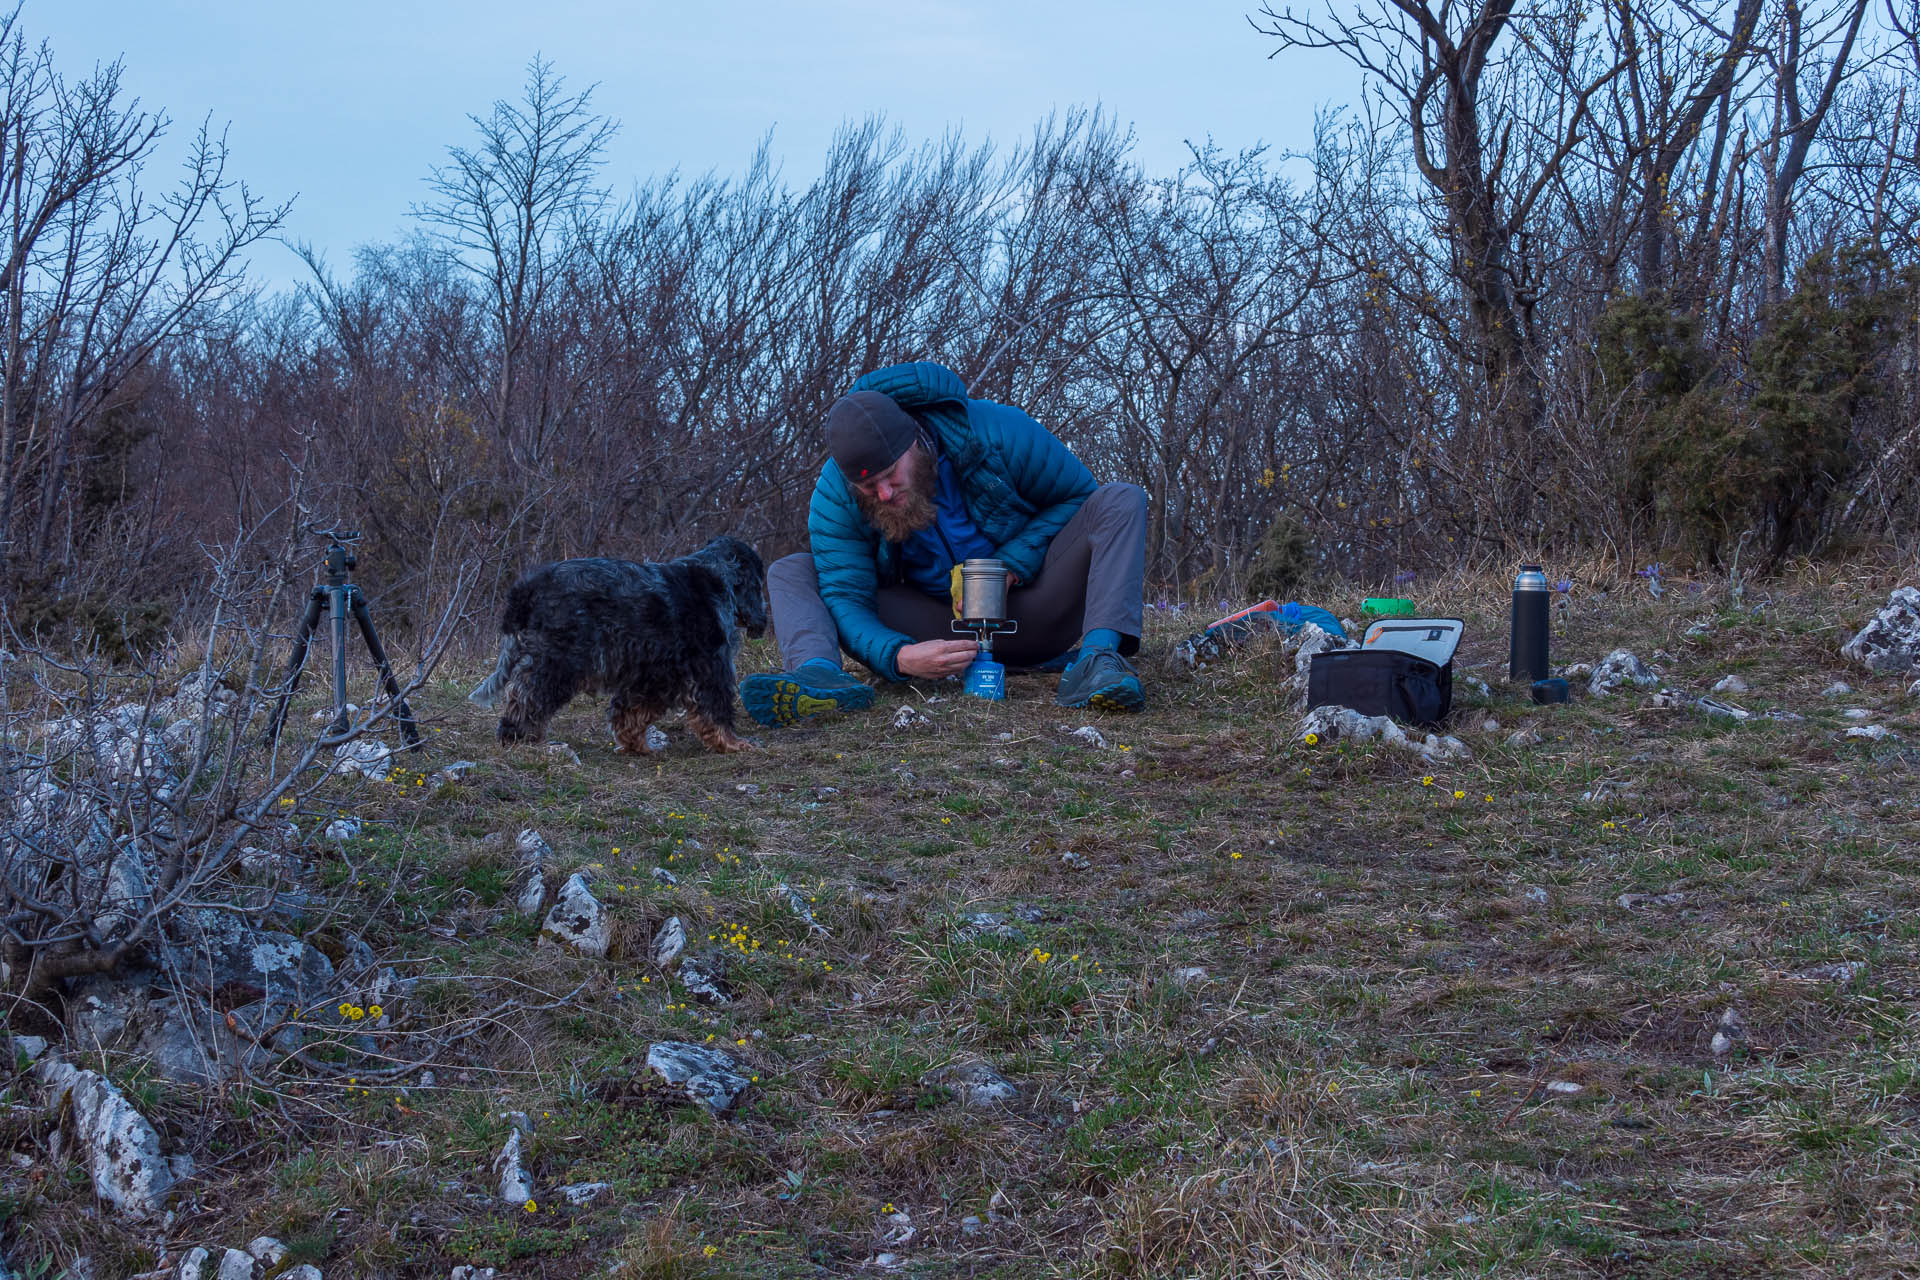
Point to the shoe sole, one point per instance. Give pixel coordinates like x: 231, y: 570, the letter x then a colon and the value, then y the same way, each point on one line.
x: 1118, y: 698
x: 1125, y: 696
x: 780, y: 702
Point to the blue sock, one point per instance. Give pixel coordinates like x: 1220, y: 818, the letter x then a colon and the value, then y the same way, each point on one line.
x: 828, y: 663
x: 1100, y: 638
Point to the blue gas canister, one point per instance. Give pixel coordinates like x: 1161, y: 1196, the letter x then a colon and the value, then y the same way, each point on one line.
x: 985, y: 678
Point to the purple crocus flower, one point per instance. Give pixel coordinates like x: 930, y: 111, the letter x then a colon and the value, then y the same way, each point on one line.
x: 1563, y: 586
x: 1403, y: 577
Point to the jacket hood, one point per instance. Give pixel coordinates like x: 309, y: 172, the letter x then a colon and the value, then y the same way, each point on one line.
x: 919, y: 383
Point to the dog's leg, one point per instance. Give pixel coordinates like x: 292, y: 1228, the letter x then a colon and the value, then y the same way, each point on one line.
x: 717, y: 737
x: 630, y: 721
x: 710, y: 706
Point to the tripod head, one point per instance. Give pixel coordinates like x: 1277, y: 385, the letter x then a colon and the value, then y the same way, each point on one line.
x: 340, y: 556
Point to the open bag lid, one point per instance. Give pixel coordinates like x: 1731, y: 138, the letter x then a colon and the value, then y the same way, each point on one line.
x: 1434, y: 639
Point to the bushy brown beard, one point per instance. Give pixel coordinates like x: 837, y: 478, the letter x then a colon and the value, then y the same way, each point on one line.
x: 912, y: 509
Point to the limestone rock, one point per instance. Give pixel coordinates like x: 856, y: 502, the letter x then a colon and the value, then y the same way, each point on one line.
x: 533, y: 866
x: 704, y: 977
x: 1731, y: 684
x: 908, y: 716
x: 796, y: 902
x: 585, y: 1193
x: 669, y: 941
x: 710, y: 1077
x: 1090, y: 735
x: 1523, y: 738
x: 267, y: 1250
x: 1619, y: 668
x: 367, y: 757
x: 1345, y: 724
x: 235, y: 1265
x: 578, y: 919
x: 976, y: 1084
x: 194, y: 1265
x: 121, y: 1150
x: 1838, y: 689
x: 516, y: 1184
x: 1890, y: 642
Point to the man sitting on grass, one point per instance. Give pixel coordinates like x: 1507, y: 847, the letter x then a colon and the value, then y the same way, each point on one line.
x: 919, y: 479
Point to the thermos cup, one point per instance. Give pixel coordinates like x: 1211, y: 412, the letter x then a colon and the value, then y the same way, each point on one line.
x: 1527, y: 654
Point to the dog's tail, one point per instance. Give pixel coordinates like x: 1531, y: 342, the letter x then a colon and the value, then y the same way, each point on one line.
x: 487, y: 692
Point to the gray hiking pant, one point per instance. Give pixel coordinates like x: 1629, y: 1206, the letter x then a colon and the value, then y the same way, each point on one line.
x: 1092, y: 577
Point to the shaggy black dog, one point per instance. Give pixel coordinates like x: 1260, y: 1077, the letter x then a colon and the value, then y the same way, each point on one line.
x: 649, y: 634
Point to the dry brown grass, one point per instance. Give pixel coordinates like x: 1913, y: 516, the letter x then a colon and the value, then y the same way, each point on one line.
x: 1358, y: 1085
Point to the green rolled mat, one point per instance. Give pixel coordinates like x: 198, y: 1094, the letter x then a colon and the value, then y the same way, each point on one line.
x: 1387, y: 607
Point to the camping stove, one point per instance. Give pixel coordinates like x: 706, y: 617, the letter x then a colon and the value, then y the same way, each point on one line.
x: 983, y: 615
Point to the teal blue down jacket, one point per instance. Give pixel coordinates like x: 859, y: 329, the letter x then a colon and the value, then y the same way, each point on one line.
x: 1021, y: 486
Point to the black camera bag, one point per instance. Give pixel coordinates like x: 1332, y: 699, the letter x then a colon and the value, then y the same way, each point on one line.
x: 1382, y: 682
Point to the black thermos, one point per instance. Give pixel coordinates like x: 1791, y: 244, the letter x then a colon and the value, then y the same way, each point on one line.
x: 1527, y: 659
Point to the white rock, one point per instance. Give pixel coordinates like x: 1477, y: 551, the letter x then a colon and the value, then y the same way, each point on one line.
x: 121, y: 1150
x: 710, y: 1077
x: 1720, y: 1044
x: 1841, y: 971
x: 584, y: 1193
x: 266, y: 1249
x: 665, y: 876
x: 1871, y: 732
x: 975, y: 1083
x: 896, y: 1228
x: 530, y: 872
x: 516, y: 1184
x: 1563, y: 1087
x: 1090, y: 735
x: 367, y: 757
x: 705, y: 977
x: 908, y: 716
x: 1523, y: 738
x: 28, y: 1047
x: 235, y: 1265
x: 1731, y: 684
x: 341, y: 830
x: 565, y: 752
x: 1857, y: 713
x: 1634, y: 901
x: 578, y: 919
x: 1618, y: 668
x: 1074, y: 861
x: 656, y: 738
x: 1536, y: 894
x: 1489, y: 725
x: 1189, y: 976
x: 796, y: 902
x: 669, y: 941
x: 194, y: 1265
x: 1445, y: 747
x: 305, y: 1271
x: 889, y: 1261
x: 1890, y: 642
x: 464, y: 1272
x: 1344, y: 723
x: 1838, y: 689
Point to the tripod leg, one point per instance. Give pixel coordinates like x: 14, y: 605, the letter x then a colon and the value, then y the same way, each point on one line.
x: 296, y: 662
x: 401, y: 711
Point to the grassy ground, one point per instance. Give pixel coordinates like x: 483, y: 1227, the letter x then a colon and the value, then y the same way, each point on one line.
x: 1406, y: 967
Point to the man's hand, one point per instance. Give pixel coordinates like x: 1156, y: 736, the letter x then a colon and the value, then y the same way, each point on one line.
x: 933, y: 659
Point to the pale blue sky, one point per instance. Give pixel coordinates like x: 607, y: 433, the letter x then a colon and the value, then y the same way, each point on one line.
x: 348, y: 104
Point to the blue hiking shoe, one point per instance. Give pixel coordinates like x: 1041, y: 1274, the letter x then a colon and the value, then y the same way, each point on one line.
x: 785, y: 698
x: 1101, y: 679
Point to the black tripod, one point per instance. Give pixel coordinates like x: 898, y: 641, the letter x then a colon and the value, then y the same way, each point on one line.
x: 341, y: 596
